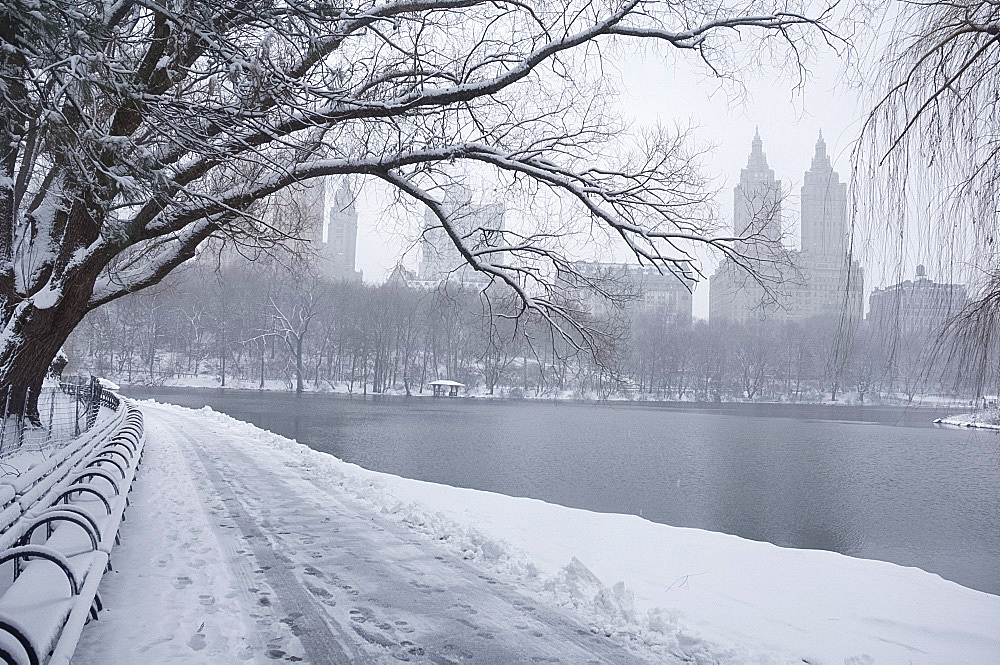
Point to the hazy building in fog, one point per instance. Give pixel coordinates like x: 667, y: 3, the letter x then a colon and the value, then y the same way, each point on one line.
x: 401, y: 276
x: 921, y: 306
x: 305, y: 206
x: 477, y: 224
x: 824, y: 208
x: 338, y: 256
x: 756, y: 217
x: 328, y: 233
x: 828, y: 281
x: 645, y: 288
x: 757, y: 199
x: 824, y: 280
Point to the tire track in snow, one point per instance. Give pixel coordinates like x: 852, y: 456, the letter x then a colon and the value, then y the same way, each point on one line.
x: 318, y: 641
x: 170, y: 597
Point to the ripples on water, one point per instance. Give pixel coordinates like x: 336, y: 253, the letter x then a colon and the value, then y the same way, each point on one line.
x: 870, y: 482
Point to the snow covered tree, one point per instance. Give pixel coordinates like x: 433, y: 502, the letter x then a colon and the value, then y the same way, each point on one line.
x: 131, y: 132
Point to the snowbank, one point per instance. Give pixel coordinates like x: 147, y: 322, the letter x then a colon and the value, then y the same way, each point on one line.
x: 719, y: 598
x: 981, y: 419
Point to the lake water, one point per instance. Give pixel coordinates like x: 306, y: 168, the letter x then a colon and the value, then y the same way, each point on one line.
x: 879, y: 483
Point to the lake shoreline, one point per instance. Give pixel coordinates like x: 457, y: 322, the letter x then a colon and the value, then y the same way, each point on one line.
x: 971, y: 420
x: 939, y: 404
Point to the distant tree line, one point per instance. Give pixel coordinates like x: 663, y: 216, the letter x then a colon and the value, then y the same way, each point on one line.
x: 278, y: 324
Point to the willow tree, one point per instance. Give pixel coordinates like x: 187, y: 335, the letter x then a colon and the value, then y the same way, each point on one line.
x: 132, y: 131
x: 929, y: 157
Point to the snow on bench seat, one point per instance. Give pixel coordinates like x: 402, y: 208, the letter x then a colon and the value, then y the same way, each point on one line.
x: 42, y: 599
x: 9, y: 515
x: 7, y: 494
x: 11, y: 650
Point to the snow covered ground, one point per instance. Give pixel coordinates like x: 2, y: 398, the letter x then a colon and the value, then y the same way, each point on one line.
x: 980, y: 419
x: 244, y: 546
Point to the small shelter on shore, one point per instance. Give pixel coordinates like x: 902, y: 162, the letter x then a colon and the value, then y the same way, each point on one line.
x: 446, y: 387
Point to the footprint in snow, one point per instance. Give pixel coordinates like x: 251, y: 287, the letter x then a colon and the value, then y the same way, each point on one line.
x: 361, y: 615
x: 317, y: 590
x: 290, y: 621
x: 197, y: 642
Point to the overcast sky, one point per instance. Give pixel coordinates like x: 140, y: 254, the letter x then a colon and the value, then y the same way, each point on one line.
x: 668, y: 89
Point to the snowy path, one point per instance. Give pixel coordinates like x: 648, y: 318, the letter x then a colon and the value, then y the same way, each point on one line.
x: 228, y: 557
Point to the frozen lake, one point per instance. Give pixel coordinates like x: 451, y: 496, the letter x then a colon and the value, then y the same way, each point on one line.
x: 879, y: 483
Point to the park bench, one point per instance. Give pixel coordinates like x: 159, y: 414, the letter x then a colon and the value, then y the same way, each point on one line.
x: 58, y: 523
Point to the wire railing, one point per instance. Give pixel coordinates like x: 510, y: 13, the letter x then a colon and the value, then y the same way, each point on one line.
x: 65, y: 410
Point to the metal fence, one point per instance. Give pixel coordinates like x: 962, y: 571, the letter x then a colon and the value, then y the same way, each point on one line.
x: 65, y: 411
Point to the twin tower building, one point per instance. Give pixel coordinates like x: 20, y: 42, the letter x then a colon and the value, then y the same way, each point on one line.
x: 820, y: 279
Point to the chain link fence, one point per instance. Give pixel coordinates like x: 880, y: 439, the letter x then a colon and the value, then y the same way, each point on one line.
x: 65, y: 411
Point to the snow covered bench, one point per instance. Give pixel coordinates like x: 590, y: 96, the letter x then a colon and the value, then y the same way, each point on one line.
x: 110, y: 472
x: 37, y: 485
x: 59, y: 521
x: 51, y: 592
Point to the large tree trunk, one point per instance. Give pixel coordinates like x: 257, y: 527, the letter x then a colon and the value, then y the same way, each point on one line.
x: 32, y: 338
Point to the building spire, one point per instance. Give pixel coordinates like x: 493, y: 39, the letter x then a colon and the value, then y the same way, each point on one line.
x: 757, y: 160
x: 344, y: 198
x: 821, y: 161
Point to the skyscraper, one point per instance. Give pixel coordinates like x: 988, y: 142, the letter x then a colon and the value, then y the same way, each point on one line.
x: 828, y: 282
x: 340, y: 246
x: 824, y: 208
x: 757, y: 199
x: 733, y: 294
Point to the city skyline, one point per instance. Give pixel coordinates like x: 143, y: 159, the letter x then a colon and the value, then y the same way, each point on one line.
x: 794, y: 211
